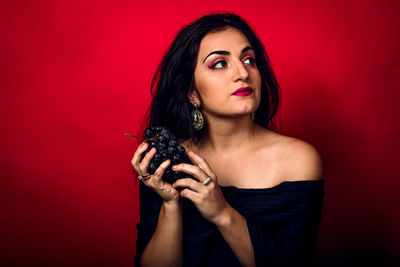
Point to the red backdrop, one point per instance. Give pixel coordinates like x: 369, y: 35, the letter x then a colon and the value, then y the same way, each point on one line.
x: 75, y: 77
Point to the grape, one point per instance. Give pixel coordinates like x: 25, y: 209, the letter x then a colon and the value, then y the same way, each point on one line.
x: 173, y: 143
x: 145, y: 152
x: 171, y: 151
x: 152, y: 167
x: 161, y: 146
x: 152, y: 143
x: 164, y: 154
x: 181, y: 149
x: 161, y: 139
x: 157, y: 157
x: 168, y: 172
x: 149, y: 133
x: 168, y: 147
x: 176, y: 158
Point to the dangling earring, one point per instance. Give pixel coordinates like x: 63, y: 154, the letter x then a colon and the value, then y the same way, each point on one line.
x: 197, y: 117
x: 252, y: 115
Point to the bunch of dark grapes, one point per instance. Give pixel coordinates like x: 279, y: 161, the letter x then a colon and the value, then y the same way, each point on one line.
x: 167, y: 147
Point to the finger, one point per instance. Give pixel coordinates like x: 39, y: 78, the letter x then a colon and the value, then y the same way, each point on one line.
x: 188, y: 183
x: 158, y: 174
x: 192, y: 170
x: 191, y: 160
x: 146, y: 161
x: 191, y: 195
x: 201, y: 163
x: 136, y: 157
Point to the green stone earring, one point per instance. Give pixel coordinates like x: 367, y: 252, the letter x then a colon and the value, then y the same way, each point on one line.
x: 197, y: 118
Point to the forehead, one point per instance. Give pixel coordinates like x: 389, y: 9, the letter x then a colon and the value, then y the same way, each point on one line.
x: 229, y: 39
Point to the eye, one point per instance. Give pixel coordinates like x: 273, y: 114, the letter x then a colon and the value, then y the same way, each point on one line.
x: 220, y: 64
x: 251, y: 60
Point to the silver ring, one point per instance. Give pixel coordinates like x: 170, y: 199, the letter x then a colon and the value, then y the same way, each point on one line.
x: 144, y: 177
x: 207, y: 181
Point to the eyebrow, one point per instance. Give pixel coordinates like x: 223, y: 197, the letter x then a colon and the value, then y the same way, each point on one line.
x: 226, y: 53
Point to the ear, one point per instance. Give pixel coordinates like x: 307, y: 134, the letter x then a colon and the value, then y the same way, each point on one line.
x: 194, y: 97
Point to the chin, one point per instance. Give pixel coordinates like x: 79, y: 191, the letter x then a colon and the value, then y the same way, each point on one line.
x: 249, y: 109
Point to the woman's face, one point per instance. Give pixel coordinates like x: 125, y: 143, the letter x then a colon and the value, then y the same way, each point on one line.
x: 226, y: 63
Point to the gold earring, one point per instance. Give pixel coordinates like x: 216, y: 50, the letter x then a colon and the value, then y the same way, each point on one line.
x: 197, y: 118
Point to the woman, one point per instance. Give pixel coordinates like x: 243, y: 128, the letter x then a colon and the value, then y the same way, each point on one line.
x: 258, y: 195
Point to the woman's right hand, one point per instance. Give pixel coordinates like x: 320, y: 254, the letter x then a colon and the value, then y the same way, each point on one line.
x: 155, y: 181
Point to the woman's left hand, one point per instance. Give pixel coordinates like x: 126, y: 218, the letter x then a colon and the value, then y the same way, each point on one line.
x: 208, y: 199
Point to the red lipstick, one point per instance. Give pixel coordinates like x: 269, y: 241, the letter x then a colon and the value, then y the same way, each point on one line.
x: 243, y: 91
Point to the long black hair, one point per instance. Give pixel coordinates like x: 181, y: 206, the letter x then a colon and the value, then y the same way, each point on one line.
x: 173, y: 80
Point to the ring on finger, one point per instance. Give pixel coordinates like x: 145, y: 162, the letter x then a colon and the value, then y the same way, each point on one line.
x: 144, y: 177
x: 207, y: 181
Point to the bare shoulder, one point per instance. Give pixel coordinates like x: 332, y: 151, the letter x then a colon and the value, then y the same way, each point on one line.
x: 298, y: 160
x: 301, y: 160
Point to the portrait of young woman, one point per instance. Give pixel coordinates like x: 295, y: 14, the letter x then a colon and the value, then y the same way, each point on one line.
x: 257, y: 195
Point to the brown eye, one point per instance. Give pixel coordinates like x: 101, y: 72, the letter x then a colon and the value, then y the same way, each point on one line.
x: 219, y: 64
x: 251, y: 60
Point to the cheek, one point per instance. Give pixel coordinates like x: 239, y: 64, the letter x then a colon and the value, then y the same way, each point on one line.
x: 257, y: 76
x: 209, y: 85
x: 257, y: 79
x: 201, y: 82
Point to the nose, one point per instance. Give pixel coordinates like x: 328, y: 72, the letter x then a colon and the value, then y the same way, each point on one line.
x: 240, y: 71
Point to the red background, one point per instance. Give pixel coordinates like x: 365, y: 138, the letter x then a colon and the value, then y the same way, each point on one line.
x: 75, y: 77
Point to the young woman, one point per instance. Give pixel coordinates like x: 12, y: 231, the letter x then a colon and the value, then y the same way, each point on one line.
x: 258, y: 195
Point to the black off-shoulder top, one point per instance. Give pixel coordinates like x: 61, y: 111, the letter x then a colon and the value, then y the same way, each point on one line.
x: 283, y: 223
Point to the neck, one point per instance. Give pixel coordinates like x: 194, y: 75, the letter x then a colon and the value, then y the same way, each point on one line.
x: 228, y: 134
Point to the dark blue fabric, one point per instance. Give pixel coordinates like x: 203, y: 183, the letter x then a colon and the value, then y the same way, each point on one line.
x: 283, y: 223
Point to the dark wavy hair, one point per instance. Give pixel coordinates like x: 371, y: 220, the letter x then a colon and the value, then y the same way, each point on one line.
x: 173, y: 80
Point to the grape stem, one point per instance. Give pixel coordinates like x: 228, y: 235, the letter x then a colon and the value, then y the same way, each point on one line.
x: 145, y: 140
x: 131, y: 135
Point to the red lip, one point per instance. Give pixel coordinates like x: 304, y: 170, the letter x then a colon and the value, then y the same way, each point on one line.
x: 243, y: 91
